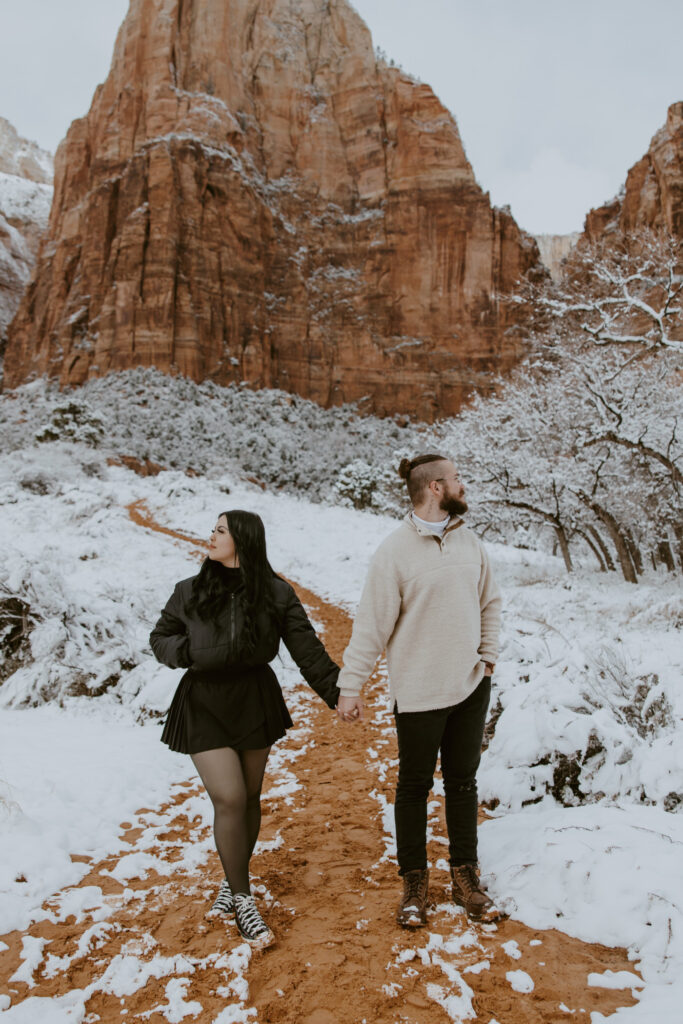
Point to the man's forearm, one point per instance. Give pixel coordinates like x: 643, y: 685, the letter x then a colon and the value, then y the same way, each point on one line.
x: 360, y: 659
x: 374, y: 623
x: 490, y: 631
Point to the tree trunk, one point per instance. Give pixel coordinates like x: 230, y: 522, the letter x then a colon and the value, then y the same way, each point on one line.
x: 666, y: 555
x: 564, y: 547
x: 634, y: 551
x: 678, y: 532
x: 609, y: 562
x: 554, y: 521
x: 595, y: 549
x: 619, y: 541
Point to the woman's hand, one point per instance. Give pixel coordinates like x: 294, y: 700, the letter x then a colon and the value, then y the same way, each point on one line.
x: 350, y: 709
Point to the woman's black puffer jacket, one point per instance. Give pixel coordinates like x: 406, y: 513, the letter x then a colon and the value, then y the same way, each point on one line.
x: 181, y: 639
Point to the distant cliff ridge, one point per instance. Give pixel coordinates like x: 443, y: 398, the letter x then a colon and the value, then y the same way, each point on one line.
x: 554, y: 249
x: 25, y: 197
x: 254, y: 196
x: 23, y: 158
x: 653, y: 194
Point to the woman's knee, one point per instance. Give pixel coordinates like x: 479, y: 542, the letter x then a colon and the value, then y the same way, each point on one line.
x: 229, y: 802
x: 254, y: 798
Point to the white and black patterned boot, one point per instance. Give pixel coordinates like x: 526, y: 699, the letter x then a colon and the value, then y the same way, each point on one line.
x: 224, y: 902
x: 251, y: 925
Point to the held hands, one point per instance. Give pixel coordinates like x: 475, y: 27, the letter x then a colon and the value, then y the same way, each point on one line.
x: 350, y: 709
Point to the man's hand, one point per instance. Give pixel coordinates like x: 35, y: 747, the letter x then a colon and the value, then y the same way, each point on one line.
x: 350, y: 709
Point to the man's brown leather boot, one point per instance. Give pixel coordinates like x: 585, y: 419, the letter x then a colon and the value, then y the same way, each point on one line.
x: 412, y: 911
x: 468, y: 893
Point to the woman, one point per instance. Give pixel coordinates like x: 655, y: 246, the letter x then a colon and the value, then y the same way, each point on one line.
x: 225, y: 625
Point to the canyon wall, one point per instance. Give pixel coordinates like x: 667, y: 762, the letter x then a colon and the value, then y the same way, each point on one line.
x: 254, y: 196
x: 653, y: 194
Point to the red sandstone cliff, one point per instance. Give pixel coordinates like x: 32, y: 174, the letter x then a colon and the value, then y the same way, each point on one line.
x: 253, y: 196
x: 653, y: 194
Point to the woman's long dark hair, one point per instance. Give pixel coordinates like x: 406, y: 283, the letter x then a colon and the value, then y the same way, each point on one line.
x: 208, y: 590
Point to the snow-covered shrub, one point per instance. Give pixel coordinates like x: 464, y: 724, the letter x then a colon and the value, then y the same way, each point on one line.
x: 38, y: 483
x: 377, y: 488
x: 74, y: 421
x: 75, y: 610
x: 356, y: 484
x: 584, y: 707
x: 16, y: 623
x: 638, y: 701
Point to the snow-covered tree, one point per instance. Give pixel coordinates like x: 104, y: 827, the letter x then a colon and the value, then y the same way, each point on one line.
x: 585, y: 439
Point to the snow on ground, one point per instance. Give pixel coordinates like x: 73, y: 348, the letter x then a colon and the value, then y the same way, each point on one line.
x: 608, y: 874
x: 70, y: 776
x: 583, y: 774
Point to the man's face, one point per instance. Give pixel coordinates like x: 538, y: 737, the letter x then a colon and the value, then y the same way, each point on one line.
x: 452, y: 498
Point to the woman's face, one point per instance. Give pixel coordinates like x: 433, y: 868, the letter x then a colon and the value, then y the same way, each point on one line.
x: 222, y: 546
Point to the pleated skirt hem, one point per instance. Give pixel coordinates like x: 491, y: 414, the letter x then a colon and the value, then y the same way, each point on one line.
x: 206, y: 720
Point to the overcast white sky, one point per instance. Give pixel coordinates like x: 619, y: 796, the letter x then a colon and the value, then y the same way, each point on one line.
x: 555, y: 99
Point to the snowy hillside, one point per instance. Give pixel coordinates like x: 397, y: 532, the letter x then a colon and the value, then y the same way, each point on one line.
x: 285, y: 442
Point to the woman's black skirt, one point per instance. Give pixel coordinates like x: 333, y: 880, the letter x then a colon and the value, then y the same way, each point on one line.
x: 239, y: 708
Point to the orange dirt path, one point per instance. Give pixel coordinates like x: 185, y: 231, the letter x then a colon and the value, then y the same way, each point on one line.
x: 339, y: 957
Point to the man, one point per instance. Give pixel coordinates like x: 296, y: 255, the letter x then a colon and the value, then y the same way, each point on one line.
x: 430, y: 599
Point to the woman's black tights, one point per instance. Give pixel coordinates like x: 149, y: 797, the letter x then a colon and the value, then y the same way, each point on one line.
x: 233, y: 780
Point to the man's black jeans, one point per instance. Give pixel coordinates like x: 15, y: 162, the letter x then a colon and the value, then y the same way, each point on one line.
x: 457, y: 732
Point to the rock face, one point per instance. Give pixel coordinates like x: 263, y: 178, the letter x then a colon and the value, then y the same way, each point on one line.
x: 554, y: 249
x: 653, y: 194
x: 25, y: 197
x: 254, y: 196
x: 22, y: 158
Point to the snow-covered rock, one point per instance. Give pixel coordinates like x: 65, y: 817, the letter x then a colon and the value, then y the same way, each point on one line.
x: 23, y: 158
x: 25, y: 199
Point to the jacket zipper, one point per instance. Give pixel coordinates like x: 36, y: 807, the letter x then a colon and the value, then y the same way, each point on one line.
x: 449, y: 529
x: 232, y: 622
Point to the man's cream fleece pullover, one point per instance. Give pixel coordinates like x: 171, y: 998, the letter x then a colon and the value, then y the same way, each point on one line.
x: 435, y: 607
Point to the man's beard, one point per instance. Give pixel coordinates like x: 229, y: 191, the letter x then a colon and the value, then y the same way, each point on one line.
x: 453, y: 506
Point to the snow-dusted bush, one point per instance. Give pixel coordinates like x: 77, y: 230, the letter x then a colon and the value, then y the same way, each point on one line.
x: 356, y: 484
x: 587, y: 704
x: 77, y: 644
x: 376, y: 487
x: 73, y: 421
x: 75, y: 610
x: 16, y: 623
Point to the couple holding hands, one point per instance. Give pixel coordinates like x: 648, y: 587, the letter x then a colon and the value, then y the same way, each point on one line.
x: 429, y: 600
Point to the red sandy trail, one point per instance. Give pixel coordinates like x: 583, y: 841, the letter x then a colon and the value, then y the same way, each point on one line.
x: 339, y: 956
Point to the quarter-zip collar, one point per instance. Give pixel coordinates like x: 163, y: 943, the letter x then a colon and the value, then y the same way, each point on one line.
x: 453, y: 523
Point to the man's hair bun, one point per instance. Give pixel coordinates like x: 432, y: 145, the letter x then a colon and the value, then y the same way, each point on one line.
x: 416, y: 476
